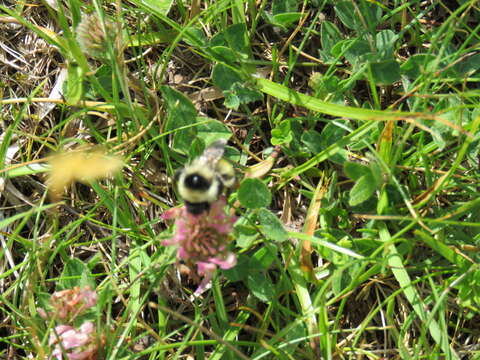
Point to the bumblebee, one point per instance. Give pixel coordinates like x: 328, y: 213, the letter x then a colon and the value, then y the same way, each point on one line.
x: 203, y: 180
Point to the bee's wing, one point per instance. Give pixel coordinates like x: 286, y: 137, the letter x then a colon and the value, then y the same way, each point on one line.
x: 214, y: 152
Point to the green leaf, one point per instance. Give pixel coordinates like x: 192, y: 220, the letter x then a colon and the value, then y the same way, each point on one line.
x: 311, y: 139
x: 396, y: 264
x: 283, y: 6
x: 442, y: 249
x: 210, y: 130
x: 355, y: 170
x: 232, y: 101
x: 383, y: 203
x: 370, y: 13
x: 75, y: 273
x: 330, y: 135
x: 245, y: 93
x: 271, y: 226
x: 237, y: 39
x: 363, y: 189
x: 346, y: 13
x: 385, y: 41
x: 160, y: 6
x: 417, y: 65
x: 181, y: 115
x: 385, y: 72
x: 235, y: 89
x: 469, y: 65
x: 324, y: 85
x: 245, y: 235
x: 197, y: 147
x: 224, y: 77
x: 357, y: 51
x: 261, y: 286
x: 286, y: 19
x: 194, y: 36
x: 263, y: 258
x: 329, y: 35
x: 224, y: 54
x: 240, y: 271
x: 282, y: 133
x: 316, y: 142
x: 28, y: 170
x: 254, y: 194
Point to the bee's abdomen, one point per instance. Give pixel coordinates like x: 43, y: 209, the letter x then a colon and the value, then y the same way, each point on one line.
x: 197, y: 208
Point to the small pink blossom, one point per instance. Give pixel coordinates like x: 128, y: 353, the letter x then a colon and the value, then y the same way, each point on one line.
x: 68, y: 304
x: 203, y: 239
x: 74, y: 344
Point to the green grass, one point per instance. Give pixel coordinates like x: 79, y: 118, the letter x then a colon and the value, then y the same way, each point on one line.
x: 359, y: 227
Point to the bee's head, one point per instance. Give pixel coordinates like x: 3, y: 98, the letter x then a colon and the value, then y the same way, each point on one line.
x: 196, y: 181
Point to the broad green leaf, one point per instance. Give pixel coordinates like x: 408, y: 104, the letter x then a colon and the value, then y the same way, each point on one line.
x: 241, y: 93
x: 284, y: 6
x: 346, y: 13
x: 261, y: 286
x: 385, y: 72
x: 224, y: 77
x: 75, y: 273
x: 329, y: 35
x: 271, y: 226
x: 240, y: 271
x: 245, y: 235
x: 237, y: 39
x: 232, y: 101
x: 263, y: 258
x: 246, y: 93
x: 224, y: 54
x: 363, y: 189
x: 468, y: 66
x: 324, y: 85
x: 416, y: 65
x: 385, y: 41
x: 355, y: 170
x: 160, y: 6
x: 181, y: 116
x: 254, y: 194
x: 282, y: 133
x: 368, y: 15
x: 194, y: 36
x: 332, y: 133
x: 357, y: 51
x: 312, y: 140
x: 286, y: 19
x: 197, y: 147
x: 210, y: 130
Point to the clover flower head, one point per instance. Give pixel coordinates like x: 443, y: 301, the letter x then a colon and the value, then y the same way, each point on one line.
x: 202, y: 240
x: 91, y: 37
x: 68, y: 304
x: 72, y: 343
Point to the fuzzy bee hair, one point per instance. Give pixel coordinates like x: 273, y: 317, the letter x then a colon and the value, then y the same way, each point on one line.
x: 203, y: 180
